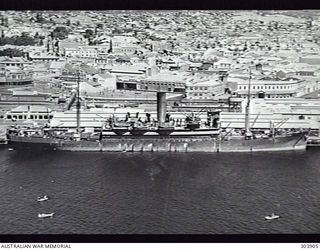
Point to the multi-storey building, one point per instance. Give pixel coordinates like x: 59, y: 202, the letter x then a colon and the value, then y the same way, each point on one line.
x: 81, y: 52
x: 35, y: 113
x: 205, y: 90
x: 14, y: 72
x: 271, y: 88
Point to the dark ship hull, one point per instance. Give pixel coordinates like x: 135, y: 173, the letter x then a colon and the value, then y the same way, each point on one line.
x: 159, y: 143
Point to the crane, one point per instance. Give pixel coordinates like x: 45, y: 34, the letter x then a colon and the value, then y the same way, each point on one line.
x: 255, y: 120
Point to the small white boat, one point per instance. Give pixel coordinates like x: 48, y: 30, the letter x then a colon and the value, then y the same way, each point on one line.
x: 10, y: 149
x: 45, y: 215
x: 44, y: 198
x: 272, y: 217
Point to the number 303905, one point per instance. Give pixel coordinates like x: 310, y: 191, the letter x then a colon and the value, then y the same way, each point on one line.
x: 310, y: 246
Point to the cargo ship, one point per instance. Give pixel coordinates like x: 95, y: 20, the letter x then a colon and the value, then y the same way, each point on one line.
x: 134, y: 135
x: 157, y: 143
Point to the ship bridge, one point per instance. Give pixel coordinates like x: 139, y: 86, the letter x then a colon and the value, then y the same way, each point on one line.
x: 161, y: 87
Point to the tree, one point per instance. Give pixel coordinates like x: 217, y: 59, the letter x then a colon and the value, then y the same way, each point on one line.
x: 99, y: 26
x: 39, y: 18
x: 4, y: 21
x: 11, y: 53
x: 89, y: 33
x: 117, y: 31
x: 25, y: 40
x: 60, y: 32
x: 24, y: 34
x: 22, y: 40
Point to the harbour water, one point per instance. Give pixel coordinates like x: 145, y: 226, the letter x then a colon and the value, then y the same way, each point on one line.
x: 151, y: 193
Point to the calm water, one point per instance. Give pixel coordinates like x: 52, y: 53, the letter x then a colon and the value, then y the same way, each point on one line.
x: 115, y: 193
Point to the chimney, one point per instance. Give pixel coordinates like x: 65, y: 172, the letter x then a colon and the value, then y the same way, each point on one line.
x: 111, y: 47
x: 259, y: 67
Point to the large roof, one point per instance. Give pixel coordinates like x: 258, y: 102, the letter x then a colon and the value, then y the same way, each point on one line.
x: 31, y: 108
x: 166, y: 77
x: 6, y: 59
x: 57, y: 65
x: 212, y: 82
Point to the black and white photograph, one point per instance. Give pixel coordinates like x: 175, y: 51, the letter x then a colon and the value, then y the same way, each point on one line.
x: 159, y: 122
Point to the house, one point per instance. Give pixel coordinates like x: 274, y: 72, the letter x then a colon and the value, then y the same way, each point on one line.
x: 128, y: 49
x: 223, y: 64
x: 40, y: 69
x: 81, y: 52
x: 312, y: 60
x: 128, y: 70
x: 42, y: 57
x: 205, y: 90
x: 57, y: 67
x: 304, y: 69
x: 14, y: 75
x: 15, y: 61
x: 35, y: 113
x: 270, y: 87
x: 105, y: 80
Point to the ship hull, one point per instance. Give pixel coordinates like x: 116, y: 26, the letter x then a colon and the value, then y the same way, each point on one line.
x: 313, y: 141
x: 30, y: 143
x: 293, y: 142
x: 162, y: 144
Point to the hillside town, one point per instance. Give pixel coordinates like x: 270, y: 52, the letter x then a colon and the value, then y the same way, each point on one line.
x: 223, y: 58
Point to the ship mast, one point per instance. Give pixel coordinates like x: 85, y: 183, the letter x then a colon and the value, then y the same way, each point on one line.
x: 247, y: 115
x: 78, y: 102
